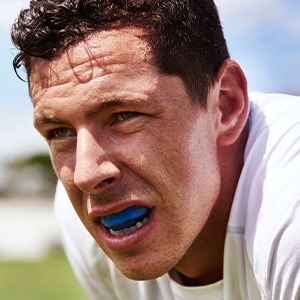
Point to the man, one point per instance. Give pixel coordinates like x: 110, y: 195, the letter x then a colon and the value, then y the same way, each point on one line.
x: 185, y: 190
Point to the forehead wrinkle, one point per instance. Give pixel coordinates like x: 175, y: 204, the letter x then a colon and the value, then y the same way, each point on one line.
x: 47, y: 75
x: 96, y: 51
x: 88, y: 59
x: 83, y: 70
x: 89, y: 63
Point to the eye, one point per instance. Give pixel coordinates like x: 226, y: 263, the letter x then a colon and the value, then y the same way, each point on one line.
x: 126, y: 115
x: 60, y: 133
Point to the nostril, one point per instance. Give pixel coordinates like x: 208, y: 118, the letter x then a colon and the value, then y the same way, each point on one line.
x: 109, y: 180
x: 104, y: 183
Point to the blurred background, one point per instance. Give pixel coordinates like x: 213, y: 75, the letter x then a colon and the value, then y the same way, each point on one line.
x: 262, y: 35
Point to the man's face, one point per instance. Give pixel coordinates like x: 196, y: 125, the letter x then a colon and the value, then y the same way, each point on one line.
x: 129, y: 146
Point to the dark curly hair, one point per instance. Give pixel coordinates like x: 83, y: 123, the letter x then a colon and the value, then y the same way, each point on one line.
x: 185, y: 35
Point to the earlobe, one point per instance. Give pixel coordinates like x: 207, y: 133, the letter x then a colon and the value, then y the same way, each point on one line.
x: 232, y: 103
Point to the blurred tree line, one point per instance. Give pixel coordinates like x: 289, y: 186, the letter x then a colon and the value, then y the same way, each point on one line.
x: 32, y: 175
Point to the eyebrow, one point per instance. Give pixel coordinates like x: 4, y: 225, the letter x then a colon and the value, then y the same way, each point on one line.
x: 105, y: 105
x: 40, y: 121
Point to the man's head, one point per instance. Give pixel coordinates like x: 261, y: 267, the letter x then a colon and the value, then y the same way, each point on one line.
x: 185, y: 35
x: 149, y: 171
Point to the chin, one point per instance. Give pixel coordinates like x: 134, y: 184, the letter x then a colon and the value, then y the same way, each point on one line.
x: 142, y: 275
x: 143, y: 272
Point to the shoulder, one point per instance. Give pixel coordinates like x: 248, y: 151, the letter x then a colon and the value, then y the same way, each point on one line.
x: 268, y: 195
x: 89, y: 263
x: 271, y: 157
x: 269, y: 111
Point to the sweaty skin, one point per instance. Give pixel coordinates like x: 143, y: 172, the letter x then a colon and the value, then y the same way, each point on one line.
x: 122, y: 134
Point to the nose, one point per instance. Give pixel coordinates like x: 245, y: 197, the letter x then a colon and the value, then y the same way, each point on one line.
x: 94, y: 170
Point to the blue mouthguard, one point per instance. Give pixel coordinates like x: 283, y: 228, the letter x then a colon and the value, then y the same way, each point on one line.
x: 130, y: 213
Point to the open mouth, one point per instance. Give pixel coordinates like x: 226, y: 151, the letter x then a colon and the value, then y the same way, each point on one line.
x: 127, y: 220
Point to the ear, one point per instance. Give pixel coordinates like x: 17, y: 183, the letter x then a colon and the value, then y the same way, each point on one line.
x: 232, y: 102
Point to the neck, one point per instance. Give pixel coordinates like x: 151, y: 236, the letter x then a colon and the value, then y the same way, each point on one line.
x: 203, y: 262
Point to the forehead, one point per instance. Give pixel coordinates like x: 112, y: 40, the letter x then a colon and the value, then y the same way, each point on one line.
x: 101, y: 53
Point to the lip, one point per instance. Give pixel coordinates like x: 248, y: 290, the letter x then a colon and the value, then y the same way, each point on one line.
x: 126, y: 242
x: 98, y: 211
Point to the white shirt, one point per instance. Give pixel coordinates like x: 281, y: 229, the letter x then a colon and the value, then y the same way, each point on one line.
x: 262, y: 248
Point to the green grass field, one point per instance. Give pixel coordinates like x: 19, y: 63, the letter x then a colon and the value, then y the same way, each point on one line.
x: 47, y: 279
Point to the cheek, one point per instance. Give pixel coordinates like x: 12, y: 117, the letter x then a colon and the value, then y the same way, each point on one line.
x: 180, y: 165
x: 191, y: 159
x: 195, y: 173
x: 63, y: 163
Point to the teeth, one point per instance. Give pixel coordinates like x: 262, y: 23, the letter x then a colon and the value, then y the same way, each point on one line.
x: 130, y: 229
x: 139, y: 224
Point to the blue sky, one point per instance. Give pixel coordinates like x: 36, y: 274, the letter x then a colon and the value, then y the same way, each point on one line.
x: 263, y: 36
